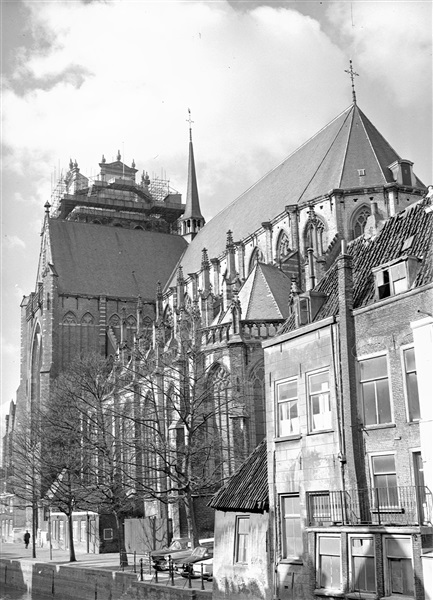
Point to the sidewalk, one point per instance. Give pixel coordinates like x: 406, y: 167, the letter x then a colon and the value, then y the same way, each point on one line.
x: 105, y: 562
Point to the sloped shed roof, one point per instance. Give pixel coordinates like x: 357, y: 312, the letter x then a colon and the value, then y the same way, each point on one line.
x: 100, y: 260
x: 247, y: 489
x: 329, y: 160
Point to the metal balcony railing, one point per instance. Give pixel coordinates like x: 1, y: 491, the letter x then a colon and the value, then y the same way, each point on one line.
x: 402, y: 505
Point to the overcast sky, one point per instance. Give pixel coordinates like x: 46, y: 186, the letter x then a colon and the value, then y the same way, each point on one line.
x: 83, y: 79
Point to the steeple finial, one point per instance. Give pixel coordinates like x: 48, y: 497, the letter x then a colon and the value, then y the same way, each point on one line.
x: 190, y: 121
x: 352, y: 74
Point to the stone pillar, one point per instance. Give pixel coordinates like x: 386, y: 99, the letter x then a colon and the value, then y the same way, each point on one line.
x: 102, y: 324
x: 205, y: 271
x: 352, y: 452
x: 268, y: 241
x: 241, y: 260
x: 216, y: 275
x: 292, y: 211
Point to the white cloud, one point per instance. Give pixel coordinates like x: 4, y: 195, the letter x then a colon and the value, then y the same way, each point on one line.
x: 244, y: 75
x: 11, y: 242
x: 392, y: 43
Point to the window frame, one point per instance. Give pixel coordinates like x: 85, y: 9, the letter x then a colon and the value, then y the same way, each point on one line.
x: 319, y: 562
x: 361, y: 389
x: 386, y: 566
x: 278, y: 403
x: 283, y: 530
x: 408, y: 400
x: 308, y: 376
x: 108, y: 536
x: 245, y: 536
x: 391, y: 507
x: 352, y: 584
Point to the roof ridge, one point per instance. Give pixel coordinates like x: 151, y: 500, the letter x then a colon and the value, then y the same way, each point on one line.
x: 346, y: 149
x: 327, y: 151
x: 297, y: 149
x: 362, y: 116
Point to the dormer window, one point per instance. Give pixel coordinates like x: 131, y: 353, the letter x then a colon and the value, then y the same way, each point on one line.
x: 395, y: 277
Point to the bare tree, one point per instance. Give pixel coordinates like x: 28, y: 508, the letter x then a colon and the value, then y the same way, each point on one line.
x: 183, y: 441
x: 27, y: 481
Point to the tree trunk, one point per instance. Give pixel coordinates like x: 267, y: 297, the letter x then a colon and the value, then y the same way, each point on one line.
x: 72, y: 557
x: 190, y: 519
x: 121, y: 536
x: 34, y: 527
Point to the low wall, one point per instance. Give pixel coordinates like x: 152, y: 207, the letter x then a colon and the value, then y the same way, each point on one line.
x: 74, y: 583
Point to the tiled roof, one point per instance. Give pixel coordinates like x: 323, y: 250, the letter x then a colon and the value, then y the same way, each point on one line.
x: 369, y: 252
x: 264, y: 295
x: 247, y: 489
x: 101, y: 260
x: 329, y: 160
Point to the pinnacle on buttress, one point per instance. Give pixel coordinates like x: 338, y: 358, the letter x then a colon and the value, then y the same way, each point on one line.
x: 205, y: 264
x: 230, y: 244
x: 119, y: 156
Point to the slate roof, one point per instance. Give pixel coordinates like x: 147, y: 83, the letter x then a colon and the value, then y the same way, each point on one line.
x: 369, y: 252
x: 329, y: 160
x: 247, y: 489
x: 264, y: 295
x: 99, y: 260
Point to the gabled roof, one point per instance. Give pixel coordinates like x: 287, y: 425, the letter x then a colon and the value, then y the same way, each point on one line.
x: 370, y: 252
x: 264, y: 295
x: 101, y: 260
x: 329, y: 160
x: 247, y: 489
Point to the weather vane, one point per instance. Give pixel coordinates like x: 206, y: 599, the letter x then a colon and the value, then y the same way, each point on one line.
x: 190, y: 121
x: 352, y: 74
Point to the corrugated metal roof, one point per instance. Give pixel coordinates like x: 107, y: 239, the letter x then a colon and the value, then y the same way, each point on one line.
x: 100, y: 260
x: 247, y: 489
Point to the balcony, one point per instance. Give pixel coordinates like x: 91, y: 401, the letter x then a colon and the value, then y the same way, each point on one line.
x: 401, y: 506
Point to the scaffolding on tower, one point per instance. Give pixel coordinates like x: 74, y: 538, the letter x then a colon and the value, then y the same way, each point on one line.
x: 57, y: 193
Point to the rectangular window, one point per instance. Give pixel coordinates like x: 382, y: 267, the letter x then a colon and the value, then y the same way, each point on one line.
x: 319, y: 401
x: 287, y: 408
x: 242, y: 534
x: 328, y: 562
x: 399, y: 568
x: 411, y: 384
x: 291, y: 527
x: 384, y: 480
x: 363, y: 577
x: 108, y: 534
x: 376, y: 401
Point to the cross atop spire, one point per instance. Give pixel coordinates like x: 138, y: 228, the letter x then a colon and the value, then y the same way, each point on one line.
x: 352, y: 74
x: 190, y: 121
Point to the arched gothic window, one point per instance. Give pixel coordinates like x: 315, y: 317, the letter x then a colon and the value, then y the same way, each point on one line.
x: 283, y: 246
x: 69, y: 338
x: 36, y: 363
x: 257, y: 379
x: 219, y: 407
x: 256, y: 256
x: 359, y: 220
x: 315, y: 236
x: 168, y: 323
x: 87, y: 331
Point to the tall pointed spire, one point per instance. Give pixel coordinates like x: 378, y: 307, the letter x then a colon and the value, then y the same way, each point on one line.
x: 192, y: 220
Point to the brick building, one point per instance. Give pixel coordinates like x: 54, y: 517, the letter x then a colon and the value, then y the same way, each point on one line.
x: 350, y: 506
